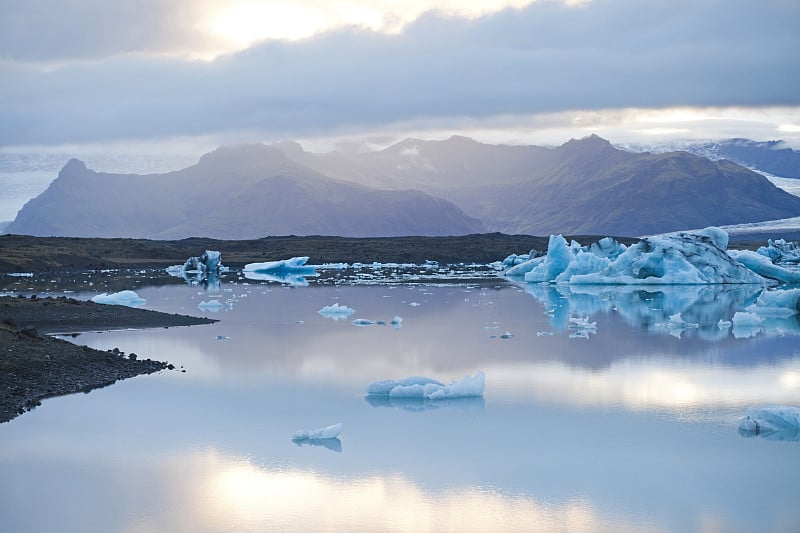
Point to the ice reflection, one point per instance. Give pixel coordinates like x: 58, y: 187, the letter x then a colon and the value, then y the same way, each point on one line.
x: 287, y: 278
x: 473, y: 404
x: 333, y: 444
x: 702, y: 310
x: 214, y: 493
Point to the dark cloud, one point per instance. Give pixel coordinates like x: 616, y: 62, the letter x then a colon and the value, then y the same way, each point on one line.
x: 607, y: 54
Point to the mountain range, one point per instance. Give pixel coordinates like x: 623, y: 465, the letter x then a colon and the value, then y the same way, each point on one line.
x: 415, y: 187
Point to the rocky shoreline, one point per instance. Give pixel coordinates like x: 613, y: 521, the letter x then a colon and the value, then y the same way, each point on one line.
x: 34, y: 366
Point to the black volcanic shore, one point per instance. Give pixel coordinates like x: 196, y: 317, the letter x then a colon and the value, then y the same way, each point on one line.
x: 21, y: 253
x: 34, y: 366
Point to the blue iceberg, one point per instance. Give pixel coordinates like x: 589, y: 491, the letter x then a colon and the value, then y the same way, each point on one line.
x: 683, y: 258
x: 772, y: 422
x: 421, y: 387
x: 288, y: 271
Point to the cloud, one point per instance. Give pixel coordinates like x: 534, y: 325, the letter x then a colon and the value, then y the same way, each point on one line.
x: 545, y: 58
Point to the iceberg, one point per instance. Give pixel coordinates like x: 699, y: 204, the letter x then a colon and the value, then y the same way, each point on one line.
x: 682, y: 258
x: 126, y: 298
x: 779, y: 251
x: 329, y: 432
x: 427, y: 388
x: 203, y: 270
x: 763, y: 266
x: 288, y: 271
x: 772, y: 422
x: 336, y: 311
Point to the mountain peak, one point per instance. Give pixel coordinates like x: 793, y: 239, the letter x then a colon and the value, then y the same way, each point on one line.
x: 73, y: 166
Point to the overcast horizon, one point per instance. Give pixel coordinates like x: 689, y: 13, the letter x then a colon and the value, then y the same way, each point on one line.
x: 188, y: 76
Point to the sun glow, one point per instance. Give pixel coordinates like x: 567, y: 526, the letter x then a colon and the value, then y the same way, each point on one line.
x: 242, y: 23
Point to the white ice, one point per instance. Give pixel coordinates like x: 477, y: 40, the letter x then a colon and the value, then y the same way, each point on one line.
x: 211, y: 305
x: 427, y: 388
x: 329, y: 432
x: 778, y: 422
x: 336, y: 311
x: 683, y: 258
x: 126, y: 298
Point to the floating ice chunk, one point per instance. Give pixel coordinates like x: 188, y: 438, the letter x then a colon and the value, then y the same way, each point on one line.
x: 724, y: 324
x: 423, y: 387
x: 20, y: 274
x: 329, y: 432
x: 506, y: 335
x: 289, y: 271
x: 397, y: 322
x: 336, y: 311
x: 763, y: 266
x: 211, y: 305
x: 544, y: 333
x: 126, y: 298
x: 295, y: 263
x: 773, y: 422
x: 414, y: 304
x: 210, y: 261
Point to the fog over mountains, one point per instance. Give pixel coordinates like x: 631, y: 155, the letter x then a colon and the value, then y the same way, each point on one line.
x: 451, y: 187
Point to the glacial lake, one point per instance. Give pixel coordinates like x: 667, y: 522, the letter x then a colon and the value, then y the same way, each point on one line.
x: 600, y: 412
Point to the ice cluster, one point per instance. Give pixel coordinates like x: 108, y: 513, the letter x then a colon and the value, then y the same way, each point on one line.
x: 329, y: 432
x: 427, y: 388
x: 288, y: 271
x: 683, y: 258
x: 336, y: 311
x: 126, y: 298
x: 781, y: 252
x: 773, y: 422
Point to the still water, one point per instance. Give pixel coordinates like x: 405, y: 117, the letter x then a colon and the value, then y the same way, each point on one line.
x: 626, y: 425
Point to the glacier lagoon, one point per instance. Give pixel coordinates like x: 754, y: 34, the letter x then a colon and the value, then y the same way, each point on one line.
x: 605, y: 408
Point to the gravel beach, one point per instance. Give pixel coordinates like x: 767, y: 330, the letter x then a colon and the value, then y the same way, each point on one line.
x: 35, y: 366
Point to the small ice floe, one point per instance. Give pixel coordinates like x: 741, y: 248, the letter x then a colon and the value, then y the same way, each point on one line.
x: 414, y: 304
x: 397, y: 322
x: 506, y: 335
x: 772, y: 422
x: 292, y: 272
x: 428, y: 388
x: 367, y: 322
x: 329, y: 432
x: 222, y: 337
x: 336, y: 311
x: 213, y: 306
x: 20, y: 274
x: 544, y: 333
x: 126, y: 298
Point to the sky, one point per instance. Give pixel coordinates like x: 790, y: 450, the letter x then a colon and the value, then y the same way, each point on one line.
x: 170, y: 74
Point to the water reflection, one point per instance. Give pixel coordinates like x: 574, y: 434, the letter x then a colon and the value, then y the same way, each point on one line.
x: 293, y: 279
x: 705, y: 311
x: 244, y: 496
x: 333, y: 444
x: 471, y: 404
